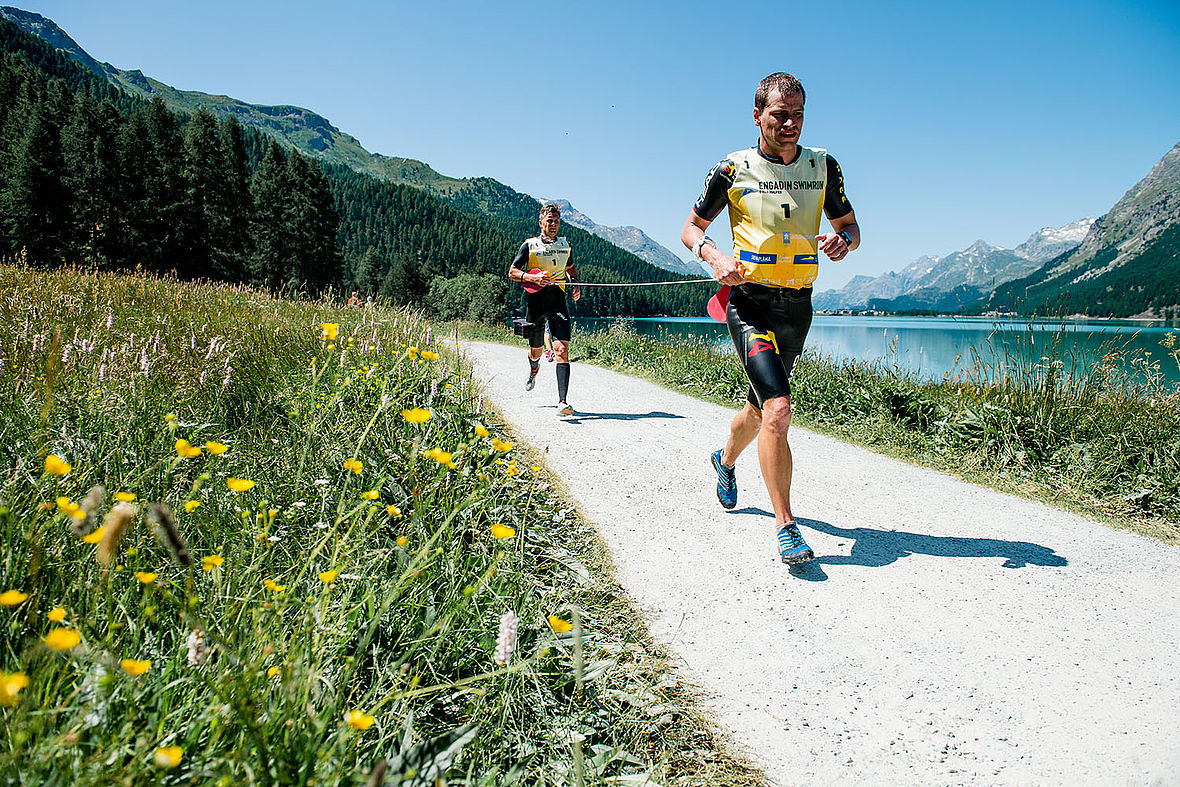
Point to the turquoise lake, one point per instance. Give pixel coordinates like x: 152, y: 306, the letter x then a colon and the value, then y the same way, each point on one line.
x: 933, y: 347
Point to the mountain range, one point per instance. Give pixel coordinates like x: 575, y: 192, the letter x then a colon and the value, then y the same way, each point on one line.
x: 1128, y: 265
x: 957, y: 279
x: 632, y: 239
x: 1125, y: 263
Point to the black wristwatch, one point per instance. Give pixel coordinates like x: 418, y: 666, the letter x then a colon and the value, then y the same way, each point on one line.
x: 847, y: 238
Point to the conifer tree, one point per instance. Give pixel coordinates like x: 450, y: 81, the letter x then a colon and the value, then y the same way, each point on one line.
x: 230, y: 254
x: 204, y: 211
x: 367, y: 278
x: 89, y: 154
x: 271, y: 244
x: 34, y: 204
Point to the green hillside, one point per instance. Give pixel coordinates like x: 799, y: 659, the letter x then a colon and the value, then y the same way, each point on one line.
x: 1148, y: 285
x: 91, y: 175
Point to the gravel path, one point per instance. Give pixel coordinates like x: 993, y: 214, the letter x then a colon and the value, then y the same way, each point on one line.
x: 945, y: 633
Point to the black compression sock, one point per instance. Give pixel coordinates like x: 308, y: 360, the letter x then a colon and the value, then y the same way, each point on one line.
x: 563, y: 381
x: 534, y: 365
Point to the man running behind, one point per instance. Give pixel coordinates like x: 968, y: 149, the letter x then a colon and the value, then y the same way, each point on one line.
x: 550, y: 256
x: 774, y: 192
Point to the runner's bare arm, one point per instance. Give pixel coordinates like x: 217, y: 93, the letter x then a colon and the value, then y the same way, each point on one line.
x: 832, y: 244
x: 571, y: 275
x: 839, y: 212
x: 725, y: 268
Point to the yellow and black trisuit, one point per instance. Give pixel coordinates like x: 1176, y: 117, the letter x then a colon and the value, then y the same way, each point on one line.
x: 548, y: 303
x: 774, y: 212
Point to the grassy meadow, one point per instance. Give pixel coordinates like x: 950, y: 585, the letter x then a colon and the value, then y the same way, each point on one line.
x: 256, y: 541
x: 1093, y: 438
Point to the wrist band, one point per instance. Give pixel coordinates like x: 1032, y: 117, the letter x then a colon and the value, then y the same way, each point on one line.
x: 696, y: 248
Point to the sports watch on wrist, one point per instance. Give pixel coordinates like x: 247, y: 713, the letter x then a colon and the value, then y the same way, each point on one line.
x: 702, y: 241
x: 847, y: 238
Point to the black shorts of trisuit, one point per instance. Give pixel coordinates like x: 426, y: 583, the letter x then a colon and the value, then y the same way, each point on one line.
x: 548, y: 303
x: 768, y: 326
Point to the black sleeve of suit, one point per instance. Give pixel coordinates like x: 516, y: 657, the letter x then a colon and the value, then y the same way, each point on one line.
x: 522, y: 256
x: 836, y: 204
x: 715, y: 195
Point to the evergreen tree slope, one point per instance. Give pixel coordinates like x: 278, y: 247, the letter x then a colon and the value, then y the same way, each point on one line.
x: 92, y: 174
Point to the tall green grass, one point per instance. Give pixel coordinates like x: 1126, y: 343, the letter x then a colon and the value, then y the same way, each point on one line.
x: 328, y: 601
x: 1101, y: 435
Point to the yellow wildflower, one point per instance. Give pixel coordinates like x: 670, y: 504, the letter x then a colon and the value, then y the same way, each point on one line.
x: 70, y: 508
x: 189, y: 505
x: 393, y: 511
x: 145, y: 577
x: 55, y: 465
x: 501, y: 445
x: 412, y: 352
x: 417, y: 415
x: 10, y: 598
x: 444, y: 458
x: 328, y: 577
x: 358, y: 720
x: 211, y: 562
x: 11, y: 685
x: 124, y: 497
x: 168, y: 757
x: 560, y: 626
x: 430, y: 355
x: 135, y: 667
x: 270, y: 673
x: 354, y: 465
x: 402, y: 541
x: 372, y: 494
x: 56, y: 615
x: 170, y: 418
x: 62, y: 638
x: 273, y: 586
x: 216, y: 448
x: 330, y: 331
x: 481, y: 430
x: 503, y: 531
x: 239, y: 484
x: 512, y: 468
x: 95, y: 535
x: 186, y: 449
x: 536, y: 468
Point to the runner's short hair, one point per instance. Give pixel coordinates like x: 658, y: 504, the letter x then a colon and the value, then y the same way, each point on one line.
x: 550, y: 207
x: 784, y: 83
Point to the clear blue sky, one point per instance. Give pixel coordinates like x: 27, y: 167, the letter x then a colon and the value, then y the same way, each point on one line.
x: 952, y: 121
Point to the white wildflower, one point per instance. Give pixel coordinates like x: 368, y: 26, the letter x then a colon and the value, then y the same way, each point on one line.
x: 506, y: 641
x: 197, y: 652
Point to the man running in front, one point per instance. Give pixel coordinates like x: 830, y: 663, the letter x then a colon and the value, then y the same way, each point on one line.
x: 774, y: 192
x: 543, y: 266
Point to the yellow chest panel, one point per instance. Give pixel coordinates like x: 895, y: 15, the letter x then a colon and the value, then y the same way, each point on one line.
x: 552, y: 257
x: 774, y: 211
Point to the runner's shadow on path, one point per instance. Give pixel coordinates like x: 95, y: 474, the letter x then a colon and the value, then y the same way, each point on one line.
x: 877, y: 548
x: 580, y: 416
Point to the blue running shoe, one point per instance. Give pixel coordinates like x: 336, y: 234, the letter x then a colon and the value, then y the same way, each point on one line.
x: 791, y: 546
x: 726, y: 482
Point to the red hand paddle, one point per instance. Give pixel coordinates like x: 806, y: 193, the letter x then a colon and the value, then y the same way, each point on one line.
x: 534, y: 287
x: 718, y: 304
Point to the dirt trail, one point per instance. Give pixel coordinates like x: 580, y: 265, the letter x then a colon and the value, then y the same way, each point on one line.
x: 945, y: 633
